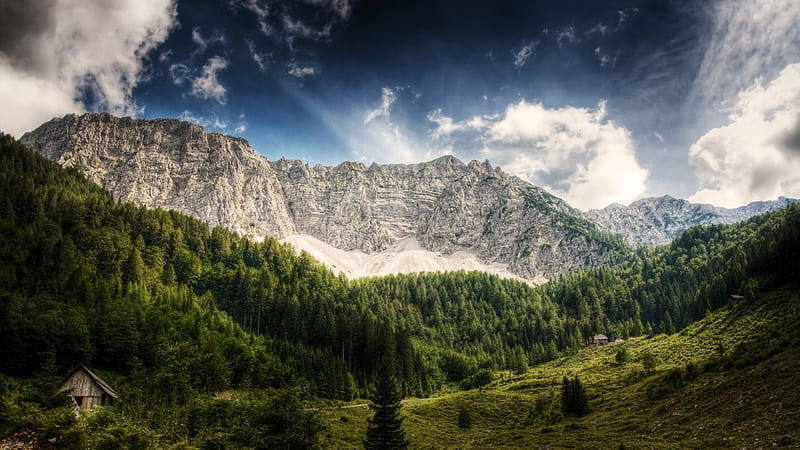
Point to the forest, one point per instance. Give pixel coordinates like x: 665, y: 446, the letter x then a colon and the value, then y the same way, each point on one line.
x: 174, y: 311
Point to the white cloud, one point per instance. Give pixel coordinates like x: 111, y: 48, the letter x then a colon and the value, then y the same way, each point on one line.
x: 605, y: 59
x: 299, y: 71
x: 521, y: 56
x: 188, y: 116
x: 297, y: 28
x: 285, y: 22
x: 214, y: 122
x: 29, y: 100
x: 749, y: 39
x: 624, y: 15
x: 576, y: 153
x: 207, y: 85
x: 658, y: 136
x: 260, y: 9
x: 198, y: 39
x: 380, y: 139
x: 203, y: 42
x: 180, y: 73
x: 566, y: 35
x: 600, y: 29
x: 261, y: 58
x: 63, y: 47
x: 340, y: 7
x: 757, y: 155
x: 445, y: 126
x: 388, y: 96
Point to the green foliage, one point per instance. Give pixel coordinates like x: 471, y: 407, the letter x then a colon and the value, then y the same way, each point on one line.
x: 574, y: 401
x: 464, y: 418
x: 184, y: 310
x: 649, y: 362
x: 622, y: 356
x: 672, y: 381
x: 264, y: 419
x: 742, y: 405
x: 385, y: 428
x: 482, y: 378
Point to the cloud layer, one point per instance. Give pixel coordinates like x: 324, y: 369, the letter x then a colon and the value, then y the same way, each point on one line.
x: 207, y: 85
x: 576, y: 153
x: 55, y: 52
x: 749, y: 39
x: 756, y: 156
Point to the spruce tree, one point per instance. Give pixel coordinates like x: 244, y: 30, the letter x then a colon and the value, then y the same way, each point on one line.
x: 574, y: 401
x: 385, y: 430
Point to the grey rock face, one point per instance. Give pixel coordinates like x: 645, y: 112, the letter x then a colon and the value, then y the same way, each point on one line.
x: 171, y: 165
x: 446, y: 205
x: 658, y: 220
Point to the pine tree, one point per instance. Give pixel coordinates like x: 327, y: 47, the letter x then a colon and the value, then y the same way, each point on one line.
x: 574, y: 401
x: 385, y: 430
x: 668, y: 328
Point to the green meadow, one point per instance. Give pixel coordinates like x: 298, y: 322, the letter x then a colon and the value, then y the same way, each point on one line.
x: 727, y: 381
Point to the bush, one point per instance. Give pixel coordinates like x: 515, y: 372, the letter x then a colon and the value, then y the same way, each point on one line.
x: 622, y: 356
x: 482, y: 378
x: 464, y: 418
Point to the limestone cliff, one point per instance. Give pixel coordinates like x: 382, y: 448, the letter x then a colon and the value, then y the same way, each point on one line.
x: 446, y: 205
x: 658, y: 220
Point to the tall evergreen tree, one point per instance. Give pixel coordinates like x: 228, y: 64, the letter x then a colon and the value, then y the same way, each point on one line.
x: 574, y: 401
x: 385, y: 429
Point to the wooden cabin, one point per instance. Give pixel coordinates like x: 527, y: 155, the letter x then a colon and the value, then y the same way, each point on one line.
x: 598, y: 340
x: 87, y: 389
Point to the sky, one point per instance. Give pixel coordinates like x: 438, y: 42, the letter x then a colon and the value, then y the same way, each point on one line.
x: 596, y: 101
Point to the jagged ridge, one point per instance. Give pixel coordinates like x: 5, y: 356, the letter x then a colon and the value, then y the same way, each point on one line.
x: 448, y: 206
x: 445, y: 205
x: 658, y: 220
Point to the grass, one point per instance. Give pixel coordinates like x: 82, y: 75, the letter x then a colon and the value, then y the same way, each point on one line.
x: 727, y: 381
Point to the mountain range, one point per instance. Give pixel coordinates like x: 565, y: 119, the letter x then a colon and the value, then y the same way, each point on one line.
x: 365, y: 220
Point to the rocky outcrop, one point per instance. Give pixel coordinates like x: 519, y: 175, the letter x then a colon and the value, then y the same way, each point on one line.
x: 172, y: 165
x: 658, y: 220
x: 446, y: 205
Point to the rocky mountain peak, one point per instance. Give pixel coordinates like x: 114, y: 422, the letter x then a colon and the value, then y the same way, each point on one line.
x: 443, y: 205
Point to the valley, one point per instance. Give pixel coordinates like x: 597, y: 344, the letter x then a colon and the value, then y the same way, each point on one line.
x: 213, y: 339
x: 465, y: 216
x: 727, y: 381
x: 394, y: 225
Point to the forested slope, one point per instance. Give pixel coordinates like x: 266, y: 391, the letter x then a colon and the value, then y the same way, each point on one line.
x: 175, y: 310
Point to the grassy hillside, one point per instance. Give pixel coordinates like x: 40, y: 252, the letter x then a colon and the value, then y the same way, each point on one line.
x: 729, y: 380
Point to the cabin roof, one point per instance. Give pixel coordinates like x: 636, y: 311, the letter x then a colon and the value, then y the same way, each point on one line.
x: 99, y: 381
x: 598, y: 337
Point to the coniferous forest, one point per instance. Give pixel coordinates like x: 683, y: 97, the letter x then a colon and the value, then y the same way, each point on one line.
x: 184, y: 319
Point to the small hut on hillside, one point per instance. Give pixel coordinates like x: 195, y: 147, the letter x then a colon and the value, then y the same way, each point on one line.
x: 598, y: 340
x: 87, y: 389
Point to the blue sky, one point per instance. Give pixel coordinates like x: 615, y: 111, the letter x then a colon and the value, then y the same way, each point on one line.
x: 598, y: 101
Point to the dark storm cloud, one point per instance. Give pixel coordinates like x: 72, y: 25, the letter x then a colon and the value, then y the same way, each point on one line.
x: 762, y: 179
x: 20, y: 23
x: 790, y: 141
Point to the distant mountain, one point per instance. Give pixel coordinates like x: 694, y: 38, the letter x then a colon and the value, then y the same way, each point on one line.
x: 658, y: 220
x: 447, y: 206
x: 365, y: 220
